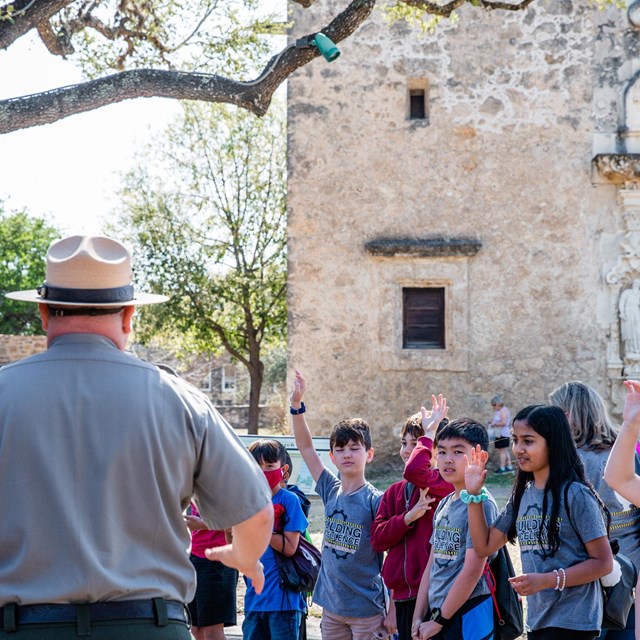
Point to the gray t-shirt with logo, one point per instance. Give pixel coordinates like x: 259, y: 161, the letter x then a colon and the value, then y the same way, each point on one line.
x: 349, y: 583
x: 579, y: 607
x: 449, y: 542
x: 625, y: 517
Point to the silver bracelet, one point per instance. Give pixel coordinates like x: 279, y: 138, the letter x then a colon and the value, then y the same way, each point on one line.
x: 564, y: 579
x: 557, y: 588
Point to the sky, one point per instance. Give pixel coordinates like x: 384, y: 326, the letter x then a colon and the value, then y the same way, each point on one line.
x: 69, y: 171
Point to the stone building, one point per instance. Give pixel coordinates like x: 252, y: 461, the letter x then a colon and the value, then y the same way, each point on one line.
x: 464, y: 212
x: 17, y: 347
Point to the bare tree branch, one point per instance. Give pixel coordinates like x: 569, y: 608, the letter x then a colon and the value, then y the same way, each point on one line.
x: 445, y: 10
x: 505, y: 6
x: 50, y: 106
x: 25, y: 16
x: 58, y: 44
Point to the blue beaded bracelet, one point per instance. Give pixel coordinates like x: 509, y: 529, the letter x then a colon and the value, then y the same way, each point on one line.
x: 467, y: 497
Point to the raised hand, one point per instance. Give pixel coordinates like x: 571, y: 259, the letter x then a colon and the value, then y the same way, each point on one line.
x: 439, y: 410
x: 631, y: 411
x: 475, y: 471
x: 299, y: 387
x: 419, y: 508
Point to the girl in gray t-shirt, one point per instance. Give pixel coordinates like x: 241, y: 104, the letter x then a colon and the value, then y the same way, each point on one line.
x: 557, y: 519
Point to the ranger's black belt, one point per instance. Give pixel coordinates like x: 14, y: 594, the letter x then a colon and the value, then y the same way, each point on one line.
x: 158, y: 609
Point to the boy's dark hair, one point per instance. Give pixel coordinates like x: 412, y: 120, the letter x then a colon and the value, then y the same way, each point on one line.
x: 265, y: 450
x: 443, y: 423
x: 412, y: 426
x: 465, y: 429
x: 352, y: 430
x: 565, y: 467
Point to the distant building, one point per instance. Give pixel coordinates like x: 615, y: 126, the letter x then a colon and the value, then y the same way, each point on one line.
x: 225, y: 383
x: 222, y: 381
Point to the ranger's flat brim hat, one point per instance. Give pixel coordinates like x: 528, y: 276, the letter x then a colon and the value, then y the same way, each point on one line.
x: 88, y: 271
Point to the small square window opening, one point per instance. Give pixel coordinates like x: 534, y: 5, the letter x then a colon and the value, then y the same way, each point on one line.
x: 417, y: 104
x: 423, y: 319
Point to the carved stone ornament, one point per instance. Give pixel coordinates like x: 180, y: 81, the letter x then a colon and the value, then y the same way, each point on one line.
x: 629, y: 311
x: 618, y: 168
x: 628, y: 263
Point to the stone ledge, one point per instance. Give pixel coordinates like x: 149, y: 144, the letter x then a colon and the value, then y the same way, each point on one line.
x: 617, y: 168
x: 423, y: 247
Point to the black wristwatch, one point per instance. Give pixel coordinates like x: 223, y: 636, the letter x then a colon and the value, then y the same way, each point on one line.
x: 436, y: 616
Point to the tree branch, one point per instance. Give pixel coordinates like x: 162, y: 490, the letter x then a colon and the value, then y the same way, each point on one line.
x: 445, y: 10
x: 50, y: 106
x: 25, y: 16
x: 58, y: 44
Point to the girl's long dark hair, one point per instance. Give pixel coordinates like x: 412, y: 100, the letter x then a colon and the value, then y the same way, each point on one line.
x: 565, y: 467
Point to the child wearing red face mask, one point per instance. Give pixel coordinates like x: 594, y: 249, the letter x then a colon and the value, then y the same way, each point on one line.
x: 276, y: 613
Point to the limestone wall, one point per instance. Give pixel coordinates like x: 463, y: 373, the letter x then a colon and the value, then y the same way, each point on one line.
x: 16, y: 347
x: 515, y: 101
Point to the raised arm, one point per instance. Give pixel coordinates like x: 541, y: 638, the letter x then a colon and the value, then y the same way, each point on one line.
x: 620, y: 472
x: 418, y: 469
x: 301, y: 431
x: 486, y: 540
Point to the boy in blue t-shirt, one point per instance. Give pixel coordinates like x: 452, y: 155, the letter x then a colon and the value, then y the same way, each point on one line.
x: 276, y: 613
x: 349, y: 587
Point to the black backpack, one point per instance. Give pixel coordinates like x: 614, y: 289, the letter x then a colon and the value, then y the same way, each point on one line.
x: 299, y: 572
x: 507, y: 605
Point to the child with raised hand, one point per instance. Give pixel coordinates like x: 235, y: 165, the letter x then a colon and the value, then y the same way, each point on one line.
x: 276, y: 613
x: 620, y: 473
x: 595, y: 434
x: 349, y: 587
x: 454, y: 601
x: 558, y: 521
x: 404, y: 522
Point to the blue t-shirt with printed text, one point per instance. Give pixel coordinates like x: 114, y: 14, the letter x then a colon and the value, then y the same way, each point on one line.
x: 274, y: 597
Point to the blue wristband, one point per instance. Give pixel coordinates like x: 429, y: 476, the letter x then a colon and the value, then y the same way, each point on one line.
x: 297, y: 412
x: 467, y: 497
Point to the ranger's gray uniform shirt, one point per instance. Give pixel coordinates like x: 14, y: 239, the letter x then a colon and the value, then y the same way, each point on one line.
x: 99, y: 454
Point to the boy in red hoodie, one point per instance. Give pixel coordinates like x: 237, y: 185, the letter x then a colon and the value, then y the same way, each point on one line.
x: 404, y: 521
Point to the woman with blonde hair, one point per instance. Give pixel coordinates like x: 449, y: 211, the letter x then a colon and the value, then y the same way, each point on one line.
x: 595, y: 434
